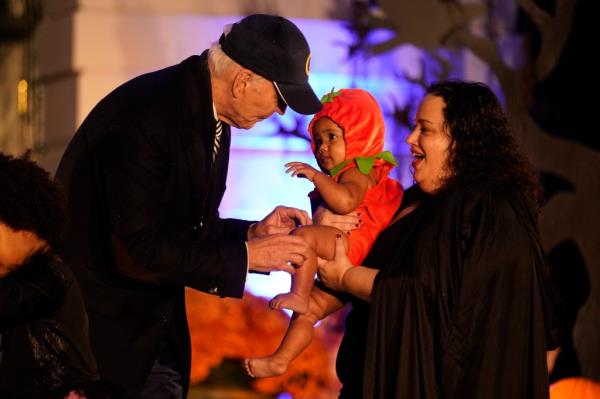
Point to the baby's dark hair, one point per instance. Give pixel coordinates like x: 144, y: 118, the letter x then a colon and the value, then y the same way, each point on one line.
x: 30, y: 200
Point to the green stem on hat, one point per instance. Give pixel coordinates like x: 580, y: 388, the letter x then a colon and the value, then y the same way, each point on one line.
x: 328, y: 98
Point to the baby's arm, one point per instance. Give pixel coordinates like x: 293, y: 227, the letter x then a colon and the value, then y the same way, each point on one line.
x: 341, y: 197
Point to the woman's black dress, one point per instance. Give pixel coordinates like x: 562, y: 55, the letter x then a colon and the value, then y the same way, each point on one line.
x: 462, y: 306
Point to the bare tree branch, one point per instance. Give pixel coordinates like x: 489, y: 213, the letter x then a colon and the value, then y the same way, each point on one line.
x: 487, y: 51
x: 554, y: 31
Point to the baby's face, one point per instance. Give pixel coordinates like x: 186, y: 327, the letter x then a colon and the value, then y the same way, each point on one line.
x: 330, y: 147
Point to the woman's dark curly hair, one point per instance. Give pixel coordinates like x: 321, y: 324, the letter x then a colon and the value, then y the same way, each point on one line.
x: 483, y: 149
x: 29, y: 200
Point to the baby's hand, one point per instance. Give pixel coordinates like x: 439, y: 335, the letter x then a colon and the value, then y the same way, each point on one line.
x: 301, y: 169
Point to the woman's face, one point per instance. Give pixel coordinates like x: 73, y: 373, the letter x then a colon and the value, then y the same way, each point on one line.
x: 430, y: 144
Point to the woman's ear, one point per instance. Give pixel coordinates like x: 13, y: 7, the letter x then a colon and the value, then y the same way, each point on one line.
x: 240, y: 82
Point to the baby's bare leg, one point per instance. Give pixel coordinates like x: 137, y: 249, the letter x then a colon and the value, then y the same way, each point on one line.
x: 298, y: 336
x: 321, y: 240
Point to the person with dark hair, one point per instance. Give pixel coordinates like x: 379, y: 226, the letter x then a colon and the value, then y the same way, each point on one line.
x: 455, y: 298
x: 144, y: 176
x: 44, y: 342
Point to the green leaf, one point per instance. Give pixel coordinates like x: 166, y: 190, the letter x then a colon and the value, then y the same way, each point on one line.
x: 328, y: 98
x: 365, y: 164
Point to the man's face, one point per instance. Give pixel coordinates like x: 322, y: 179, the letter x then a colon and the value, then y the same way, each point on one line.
x: 255, y: 99
x: 16, y: 247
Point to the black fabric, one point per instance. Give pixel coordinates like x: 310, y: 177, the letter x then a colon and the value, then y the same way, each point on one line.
x: 143, y: 198
x: 269, y: 45
x: 163, y: 382
x: 463, y: 305
x: 573, y: 285
x: 45, y: 349
x: 351, y: 355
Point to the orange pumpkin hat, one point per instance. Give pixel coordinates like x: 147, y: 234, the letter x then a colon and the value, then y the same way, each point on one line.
x: 359, y: 116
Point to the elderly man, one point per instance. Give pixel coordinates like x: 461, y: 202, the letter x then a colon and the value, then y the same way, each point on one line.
x: 145, y: 174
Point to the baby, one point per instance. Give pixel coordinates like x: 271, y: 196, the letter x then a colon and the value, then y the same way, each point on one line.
x: 347, y: 140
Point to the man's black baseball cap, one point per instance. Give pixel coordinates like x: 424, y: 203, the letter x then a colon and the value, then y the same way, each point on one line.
x: 274, y: 48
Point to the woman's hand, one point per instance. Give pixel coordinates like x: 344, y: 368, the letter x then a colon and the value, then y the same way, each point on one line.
x: 301, y: 169
x: 332, y: 272
x: 345, y: 223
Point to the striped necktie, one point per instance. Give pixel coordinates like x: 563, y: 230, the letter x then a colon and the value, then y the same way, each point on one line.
x: 217, y: 143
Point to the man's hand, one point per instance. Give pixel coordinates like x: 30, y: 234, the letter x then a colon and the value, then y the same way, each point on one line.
x: 282, y: 220
x: 277, y: 252
x: 345, y: 223
x: 301, y: 169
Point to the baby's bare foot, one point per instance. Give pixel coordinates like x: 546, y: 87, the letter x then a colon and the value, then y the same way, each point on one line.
x: 290, y: 301
x: 261, y: 367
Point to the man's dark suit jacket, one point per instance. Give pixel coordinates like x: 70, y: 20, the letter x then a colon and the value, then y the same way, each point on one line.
x: 143, y: 198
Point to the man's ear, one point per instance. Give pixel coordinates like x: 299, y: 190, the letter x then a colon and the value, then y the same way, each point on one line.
x: 241, y: 81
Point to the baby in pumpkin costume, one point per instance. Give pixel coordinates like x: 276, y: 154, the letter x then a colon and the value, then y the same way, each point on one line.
x: 347, y: 140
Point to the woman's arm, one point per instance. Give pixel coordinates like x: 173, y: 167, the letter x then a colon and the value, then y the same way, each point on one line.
x: 358, y: 281
x: 340, y: 275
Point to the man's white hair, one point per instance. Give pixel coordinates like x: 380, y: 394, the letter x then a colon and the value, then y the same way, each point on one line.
x: 223, y: 65
x: 221, y: 62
